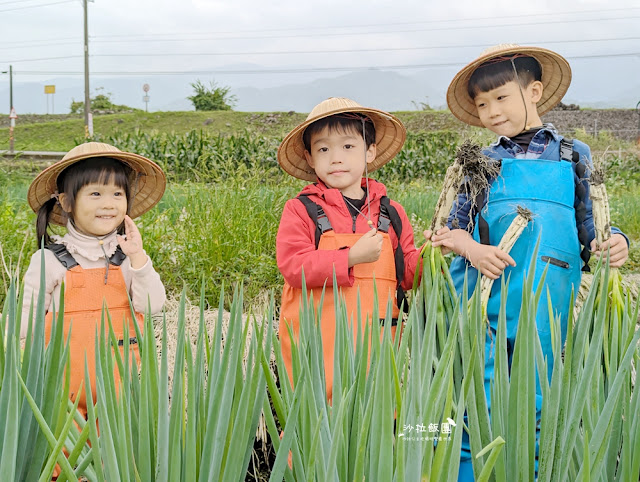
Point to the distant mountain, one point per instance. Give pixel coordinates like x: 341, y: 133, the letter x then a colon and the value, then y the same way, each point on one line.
x: 618, y: 85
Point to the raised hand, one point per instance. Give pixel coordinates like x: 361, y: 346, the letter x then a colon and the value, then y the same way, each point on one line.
x: 131, y: 244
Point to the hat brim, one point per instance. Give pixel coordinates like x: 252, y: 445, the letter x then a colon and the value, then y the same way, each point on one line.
x: 390, y: 137
x: 556, y: 78
x: 147, y: 187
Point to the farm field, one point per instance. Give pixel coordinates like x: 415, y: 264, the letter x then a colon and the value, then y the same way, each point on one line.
x: 220, y: 213
x: 213, y: 236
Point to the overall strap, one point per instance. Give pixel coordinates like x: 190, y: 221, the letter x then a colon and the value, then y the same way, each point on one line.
x: 389, y: 214
x: 62, y: 255
x: 483, y: 225
x: 317, y: 215
x: 68, y: 261
x: 569, y: 154
x: 117, y: 257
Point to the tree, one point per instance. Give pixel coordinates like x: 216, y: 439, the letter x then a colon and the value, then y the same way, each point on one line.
x: 100, y: 102
x: 212, y: 97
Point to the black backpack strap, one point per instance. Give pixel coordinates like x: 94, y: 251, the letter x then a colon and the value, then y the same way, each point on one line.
x: 389, y: 214
x: 62, y: 255
x: 569, y: 154
x: 117, y: 257
x: 566, y: 150
x: 483, y: 225
x: 317, y: 215
x: 384, y: 221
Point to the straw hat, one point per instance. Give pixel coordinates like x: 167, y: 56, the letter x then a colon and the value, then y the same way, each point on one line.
x: 556, y: 77
x: 390, y: 135
x: 147, y: 186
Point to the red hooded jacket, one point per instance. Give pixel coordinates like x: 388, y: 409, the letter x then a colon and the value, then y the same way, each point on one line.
x: 295, y: 242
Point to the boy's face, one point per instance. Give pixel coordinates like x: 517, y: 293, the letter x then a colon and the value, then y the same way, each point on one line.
x: 504, y: 111
x: 338, y: 157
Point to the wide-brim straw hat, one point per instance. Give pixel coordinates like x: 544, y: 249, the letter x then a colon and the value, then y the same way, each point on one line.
x: 147, y: 185
x: 556, y: 77
x: 390, y: 136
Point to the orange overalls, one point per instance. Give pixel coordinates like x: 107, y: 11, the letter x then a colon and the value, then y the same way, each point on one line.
x: 384, y: 271
x: 84, y: 294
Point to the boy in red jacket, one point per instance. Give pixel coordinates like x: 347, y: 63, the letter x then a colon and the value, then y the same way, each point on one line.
x: 342, y: 222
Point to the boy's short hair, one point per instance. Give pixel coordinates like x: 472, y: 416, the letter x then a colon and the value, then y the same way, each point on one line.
x: 346, y: 122
x: 497, y: 72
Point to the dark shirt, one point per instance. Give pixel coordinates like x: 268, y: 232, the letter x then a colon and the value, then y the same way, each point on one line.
x: 524, y: 138
x: 356, y: 205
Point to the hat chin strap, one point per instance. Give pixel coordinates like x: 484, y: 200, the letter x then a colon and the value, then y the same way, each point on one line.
x: 524, y: 102
x: 366, y: 174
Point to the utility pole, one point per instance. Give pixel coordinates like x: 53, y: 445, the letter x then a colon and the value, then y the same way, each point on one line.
x: 10, y: 88
x: 10, y: 72
x: 12, y: 112
x: 87, y: 99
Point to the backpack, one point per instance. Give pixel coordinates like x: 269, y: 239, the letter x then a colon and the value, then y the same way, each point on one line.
x: 389, y: 217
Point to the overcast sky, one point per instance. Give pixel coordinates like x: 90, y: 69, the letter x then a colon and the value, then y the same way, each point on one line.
x: 43, y: 38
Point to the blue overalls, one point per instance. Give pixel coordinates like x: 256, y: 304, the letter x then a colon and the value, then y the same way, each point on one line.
x: 547, y: 188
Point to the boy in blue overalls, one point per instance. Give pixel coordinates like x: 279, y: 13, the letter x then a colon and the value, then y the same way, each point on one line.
x: 506, y: 90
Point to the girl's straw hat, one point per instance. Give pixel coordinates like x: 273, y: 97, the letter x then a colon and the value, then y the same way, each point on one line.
x: 147, y: 184
x: 556, y: 77
x: 390, y: 135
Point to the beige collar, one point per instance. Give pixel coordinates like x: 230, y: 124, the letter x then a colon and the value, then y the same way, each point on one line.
x: 85, y: 245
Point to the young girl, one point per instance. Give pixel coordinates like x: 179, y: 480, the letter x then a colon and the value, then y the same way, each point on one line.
x: 94, y: 191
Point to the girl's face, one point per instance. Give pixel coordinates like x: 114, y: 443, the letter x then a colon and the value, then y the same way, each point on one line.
x: 99, y: 208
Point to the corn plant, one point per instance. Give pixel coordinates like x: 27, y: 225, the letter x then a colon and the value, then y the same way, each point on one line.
x: 201, y: 155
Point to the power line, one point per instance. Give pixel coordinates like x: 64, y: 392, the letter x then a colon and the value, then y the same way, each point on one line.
x: 297, y: 70
x: 209, y: 36
x: 333, y: 27
x: 341, y: 51
x: 44, y: 58
x: 40, y: 44
x: 310, y: 52
x: 97, y: 39
x: 37, y: 6
x: 17, y: 1
x: 73, y: 41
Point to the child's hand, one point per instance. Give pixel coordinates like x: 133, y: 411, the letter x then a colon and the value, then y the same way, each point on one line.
x: 367, y: 249
x: 617, y: 247
x: 131, y: 244
x: 491, y: 261
x: 450, y: 240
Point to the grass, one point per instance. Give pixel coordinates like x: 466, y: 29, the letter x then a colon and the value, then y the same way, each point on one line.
x: 46, y: 133
x: 220, y: 214
x: 64, y: 135
x: 223, y: 232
